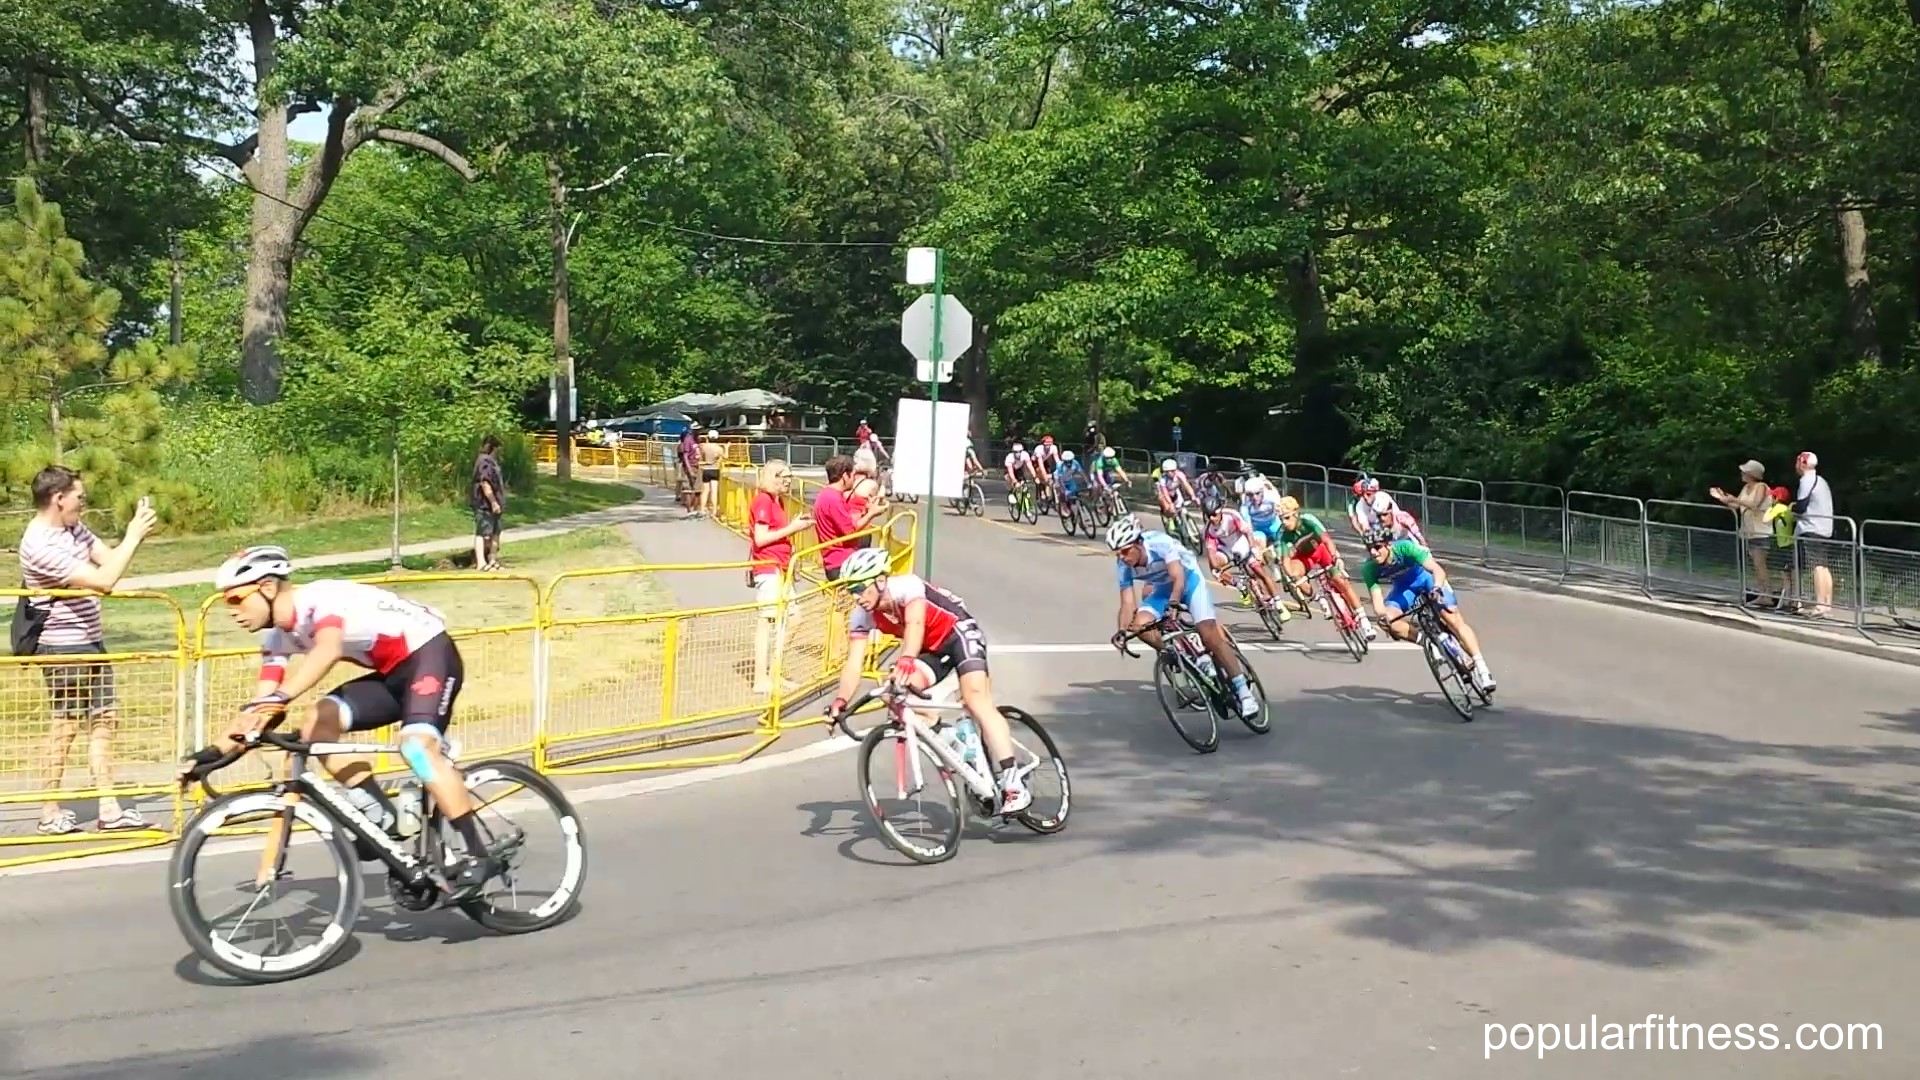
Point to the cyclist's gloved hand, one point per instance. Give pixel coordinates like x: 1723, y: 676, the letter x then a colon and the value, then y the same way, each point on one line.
x: 903, y: 670
x: 1119, y: 640
x: 835, y: 709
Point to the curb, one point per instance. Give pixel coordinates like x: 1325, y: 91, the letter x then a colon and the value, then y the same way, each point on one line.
x: 1708, y: 616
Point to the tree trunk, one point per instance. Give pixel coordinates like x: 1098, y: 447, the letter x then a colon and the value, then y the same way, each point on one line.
x: 174, y: 319
x: 973, y: 381
x: 562, y: 327
x: 39, y: 103
x: 270, y: 261
x: 53, y: 426
x: 1093, y: 383
x: 1849, y: 223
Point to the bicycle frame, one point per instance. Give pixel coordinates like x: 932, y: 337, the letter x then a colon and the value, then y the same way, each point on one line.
x: 977, y: 781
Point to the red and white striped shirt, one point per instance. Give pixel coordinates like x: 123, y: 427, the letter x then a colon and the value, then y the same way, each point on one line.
x: 49, y: 557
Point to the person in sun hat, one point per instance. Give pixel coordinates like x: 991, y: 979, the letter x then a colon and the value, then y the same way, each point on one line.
x: 1750, y: 506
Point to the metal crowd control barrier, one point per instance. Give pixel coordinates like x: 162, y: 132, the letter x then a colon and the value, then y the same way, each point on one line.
x: 112, y: 716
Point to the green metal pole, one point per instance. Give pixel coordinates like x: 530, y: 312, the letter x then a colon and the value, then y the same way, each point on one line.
x: 933, y: 422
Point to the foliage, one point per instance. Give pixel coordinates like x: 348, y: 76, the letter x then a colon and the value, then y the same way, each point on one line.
x: 99, y: 409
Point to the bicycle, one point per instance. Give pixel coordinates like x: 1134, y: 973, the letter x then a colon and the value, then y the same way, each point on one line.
x: 953, y: 759
x: 1333, y: 603
x: 1047, y: 502
x: 1189, y: 673
x: 1107, y: 506
x: 974, y: 501
x: 316, y: 804
x: 1021, y: 508
x: 1253, y: 593
x: 1446, y: 657
x: 1074, y: 516
x: 1180, y: 525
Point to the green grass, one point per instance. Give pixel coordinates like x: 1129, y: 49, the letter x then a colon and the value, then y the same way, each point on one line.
x: 548, y: 499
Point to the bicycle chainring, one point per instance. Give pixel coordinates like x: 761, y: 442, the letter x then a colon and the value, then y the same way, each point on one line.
x: 412, y: 897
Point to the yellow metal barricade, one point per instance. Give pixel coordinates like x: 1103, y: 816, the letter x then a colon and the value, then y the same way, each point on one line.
x: 113, y: 716
x: 619, y: 686
x: 493, y: 618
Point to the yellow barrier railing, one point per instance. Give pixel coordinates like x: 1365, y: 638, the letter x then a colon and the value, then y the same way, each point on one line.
x: 113, y: 715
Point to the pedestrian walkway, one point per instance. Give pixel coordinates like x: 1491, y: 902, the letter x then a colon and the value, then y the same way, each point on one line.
x: 612, y: 515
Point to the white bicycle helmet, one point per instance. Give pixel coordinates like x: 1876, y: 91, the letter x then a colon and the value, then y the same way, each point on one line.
x: 1123, y: 533
x: 865, y: 565
x: 1066, y: 455
x: 1019, y: 449
x: 251, y: 565
x: 1169, y: 465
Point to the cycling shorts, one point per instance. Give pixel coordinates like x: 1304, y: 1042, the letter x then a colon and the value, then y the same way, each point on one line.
x: 1198, y: 598
x: 964, y: 651
x: 1403, y: 593
x: 418, y: 693
x: 1239, y: 549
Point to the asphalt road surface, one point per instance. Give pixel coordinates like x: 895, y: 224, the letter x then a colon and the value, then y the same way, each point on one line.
x: 1657, y: 818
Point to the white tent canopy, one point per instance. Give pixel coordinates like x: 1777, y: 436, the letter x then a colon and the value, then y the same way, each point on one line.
x: 758, y: 400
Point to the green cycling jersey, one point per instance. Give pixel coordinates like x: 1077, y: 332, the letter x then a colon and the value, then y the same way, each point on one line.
x: 1403, y: 557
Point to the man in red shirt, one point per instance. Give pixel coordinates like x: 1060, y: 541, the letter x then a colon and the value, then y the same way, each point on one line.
x: 770, y: 548
x: 835, y: 515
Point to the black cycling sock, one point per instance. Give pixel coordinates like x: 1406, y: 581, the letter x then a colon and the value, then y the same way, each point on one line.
x: 468, y: 826
x: 1005, y: 765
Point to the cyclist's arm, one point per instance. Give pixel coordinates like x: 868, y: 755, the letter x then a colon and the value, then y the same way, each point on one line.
x: 1177, y: 577
x: 329, y: 645
x: 1129, y: 604
x: 913, y: 627
x: 852, y: 671
x: 1432, y: 566
x: 1187, y: 487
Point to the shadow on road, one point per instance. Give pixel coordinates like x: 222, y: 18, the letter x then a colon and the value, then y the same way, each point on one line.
x: 285, y: 1056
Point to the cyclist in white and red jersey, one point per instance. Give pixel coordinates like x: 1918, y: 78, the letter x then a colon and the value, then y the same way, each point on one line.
x: 1229, y: 541
x: 413, y: 676
x: 938, y: 637
x: 1046, y: 458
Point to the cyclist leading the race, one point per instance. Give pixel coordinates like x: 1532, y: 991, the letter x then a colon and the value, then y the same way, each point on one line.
x: 1397, y: 573
x: 1229, y: 539
x: 1018, y: 466
x: 1305, y: 544
x: 413, y: 678
x: 938, y: 637
x: 1157, y: 562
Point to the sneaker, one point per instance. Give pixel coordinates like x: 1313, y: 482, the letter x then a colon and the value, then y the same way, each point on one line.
x: 1367, y: 631
x: 59, y: 824
x: 1249, y: 705
x: 128, y: 819
x: 1015, y: 798
x: 1484, y: 678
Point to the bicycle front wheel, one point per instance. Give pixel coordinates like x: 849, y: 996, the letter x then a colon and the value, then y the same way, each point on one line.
x: 1261, y: 722
x: 976, y: 499
x: 1453, y: 683
x: 252, y: 932
x: 542, y: 849
x: 1349, y: 624
x: 1178, y: 687
x: 896, y: 803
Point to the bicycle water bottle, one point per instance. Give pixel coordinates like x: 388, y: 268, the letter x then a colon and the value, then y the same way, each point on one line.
x: 967, y: 734
x: 1198, y: 650
x: 407, y: 804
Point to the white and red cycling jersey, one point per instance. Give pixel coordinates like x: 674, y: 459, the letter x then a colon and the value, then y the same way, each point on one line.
x: 944, y: 612
x: 1231, y: 532
x: 378, y: 628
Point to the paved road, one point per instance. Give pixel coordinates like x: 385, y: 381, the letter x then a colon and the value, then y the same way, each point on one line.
x: 1660, y: 818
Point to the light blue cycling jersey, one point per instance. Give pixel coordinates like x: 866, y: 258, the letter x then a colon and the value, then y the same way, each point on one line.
x: 1070, y: 476
x: 1162, y: 552
x: 1262, y: 510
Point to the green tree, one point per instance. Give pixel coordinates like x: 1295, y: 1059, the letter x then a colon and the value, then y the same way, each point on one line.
x: 101, y: 408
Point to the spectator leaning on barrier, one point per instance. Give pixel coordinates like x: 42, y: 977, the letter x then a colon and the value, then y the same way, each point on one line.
x: 690, y: 472
x: 58, y: 552
x: 835, y: 517
x: 866, y: 491
x: 770, y: 549
x: 489, y: 499
x: 1813, y: 527
x: 1755, y: 532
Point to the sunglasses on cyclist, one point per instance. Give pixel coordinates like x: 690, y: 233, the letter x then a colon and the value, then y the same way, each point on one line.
x: 239, y: 596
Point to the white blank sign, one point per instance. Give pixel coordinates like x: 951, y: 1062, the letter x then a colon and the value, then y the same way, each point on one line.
x: 914, y: 433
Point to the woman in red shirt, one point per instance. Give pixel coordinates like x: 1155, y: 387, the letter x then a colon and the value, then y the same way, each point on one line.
x: 770, y: 548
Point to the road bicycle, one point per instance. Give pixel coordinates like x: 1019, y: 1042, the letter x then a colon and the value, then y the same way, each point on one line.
x: 1048, y: 502
x: 1446, y: 657
x: 1333, y: 604
x: 1075, y: 517
x: 1253, y: 593
x: 1193, y: 693
x: 1106, y: 506
x: 904, y: 749
x: 1181, y: 526
x: 1021, y: 507
x: 312, y: 812
x: 974, y: 501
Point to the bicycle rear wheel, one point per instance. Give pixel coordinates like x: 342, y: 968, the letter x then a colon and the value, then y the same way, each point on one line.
x: 1070, y: 518
x: 1263, y: 603
x: 271, y: 899
x: 1032, y: 746
x: 1345, y: 620
x: 976, y: 499
x: 883, y: 767
x: 1178, y: 686
x: 1259, y: 723
x: 546, y: 817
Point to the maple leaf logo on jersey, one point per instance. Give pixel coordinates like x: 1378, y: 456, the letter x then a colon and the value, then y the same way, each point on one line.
x: 425, y: 686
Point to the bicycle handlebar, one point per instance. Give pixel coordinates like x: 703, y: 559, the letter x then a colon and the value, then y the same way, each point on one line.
x: 208, y: 760
x: 1167, y: 624
x: 885, y: 689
